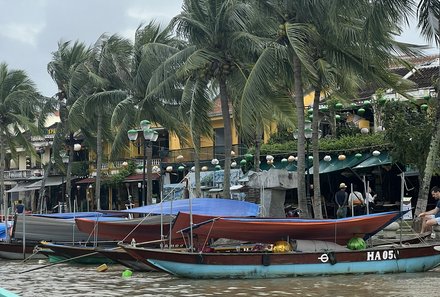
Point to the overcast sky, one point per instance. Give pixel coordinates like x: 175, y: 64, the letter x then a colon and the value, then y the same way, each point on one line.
x: 31, y: 29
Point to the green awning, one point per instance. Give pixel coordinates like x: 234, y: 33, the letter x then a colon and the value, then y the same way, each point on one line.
x: 382, y: 159
x: 335, y: 164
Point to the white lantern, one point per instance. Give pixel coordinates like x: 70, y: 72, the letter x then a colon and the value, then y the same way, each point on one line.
x: 365, y: 130
x: 376, y: 153
x: 269, y: 158
x: 204, y: 168
x: 327, y: 158
x: 214, y: 162
x: 169, y: 168
x: 77, y: 147
x: 234, y: 164
x: 179, y: 158
x: 291, y: 159
x: 193, y: 168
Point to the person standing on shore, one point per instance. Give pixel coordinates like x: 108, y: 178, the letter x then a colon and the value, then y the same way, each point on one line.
x: 341, y: 198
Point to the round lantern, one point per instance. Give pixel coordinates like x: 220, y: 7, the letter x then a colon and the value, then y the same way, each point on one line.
x: 358, y: 155
x: 284, y: 161
x: 376, y: 153
x: 424, y: 107
x: 204, y: 168
x: 234, y: 164
x: 217, y: 167
x: 341, y: 157
x: 365, y: 130
x: 338, y: 105
x: 327, y: 158
x: 367, y: 103
x: 361, y: 111
x: 215, y: 161
x: 337, y: 117
x: 269, y: 158
x: 181, y: 168
x: 169, y: 168
x: 291, y: 159
x: 179, y: 158
x: 193, y: 168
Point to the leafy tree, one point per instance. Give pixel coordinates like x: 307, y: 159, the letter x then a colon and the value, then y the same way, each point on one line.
x: 428, y: 12
x: 20, y: 105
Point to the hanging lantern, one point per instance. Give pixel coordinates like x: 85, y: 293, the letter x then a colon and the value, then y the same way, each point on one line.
x: 365, y: 130
x: 311, y: 158
x: 155, y: 169
x: 382, y: 100
x: 367, y: 103
x: 217, y: 167
x: 232, y: 153
x: 353, y: 105
x: 361, y: 111
x: 179, y: 158
x: 327, y: 158
x: 215, y: 161
x: 269, y: 158
x: 341, y: 157
x: 233, y: 164
x: 311, y: 117
x: 169, y: 168
x: 193, y: 168
x: 243, y: 162
x: 339, y: 105
x: 376, y: 153
x: 358, y: 155
x: 270, y: 162
x: 284, y: 161
x: 424, y: 107
x: 248, y: 157
x: 337, y: 117
x: 204, y: 168
x: 77, y: 147
x: 310, y: 111
x: 291, y: 159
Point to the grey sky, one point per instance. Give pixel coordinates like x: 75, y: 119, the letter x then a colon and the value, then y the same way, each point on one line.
x: 30, y: 29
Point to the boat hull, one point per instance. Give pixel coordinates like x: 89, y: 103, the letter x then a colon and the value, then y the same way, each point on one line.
x: 77, y: 254
x: 14, y: 251
x: 122, y: 257
x: 275, y: 265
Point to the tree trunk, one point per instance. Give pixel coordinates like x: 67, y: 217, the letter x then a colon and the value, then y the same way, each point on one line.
x: 198, y: 191
x: 2, y: 183
x: 317, y: 201
x: 299, y: 101
x: 228, y: 138
x: 422, y: 200
x: 149, y: 177
x: 69, y: 173
x: 258, y: 133
x: 98, y: 162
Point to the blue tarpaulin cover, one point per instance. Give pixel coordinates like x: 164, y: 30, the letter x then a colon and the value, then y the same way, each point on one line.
x: 206, y: 206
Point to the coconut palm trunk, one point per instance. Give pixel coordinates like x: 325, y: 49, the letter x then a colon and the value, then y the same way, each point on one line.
x: 317, y: 207
x: 299, y: 102
x: 228, y: 138
x: 2, y: 183
x: 98, y: 162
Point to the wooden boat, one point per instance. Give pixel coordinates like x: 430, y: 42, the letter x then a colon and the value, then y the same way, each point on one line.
x: 76, y: 254
x: 120, y: 256
x: 269, y: 230
x: 50, y: 228
x: 139, y: 229
x: 160, y: 217
x: 269, y: 264
x: 15, y: 251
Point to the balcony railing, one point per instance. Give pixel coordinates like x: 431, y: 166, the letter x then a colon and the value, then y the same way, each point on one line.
x: 206, y: 153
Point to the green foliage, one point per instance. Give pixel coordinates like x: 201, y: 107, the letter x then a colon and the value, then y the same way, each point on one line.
x: 80, y: 168
x: 118, y: 179
x: 358, y: 142
x: 410, y: 131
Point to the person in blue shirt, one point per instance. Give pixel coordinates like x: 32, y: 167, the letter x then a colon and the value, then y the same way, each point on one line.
x: 20, y: 207
x: 432, y: 217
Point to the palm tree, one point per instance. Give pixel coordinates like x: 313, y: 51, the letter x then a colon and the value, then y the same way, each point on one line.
x: 107, y: 70
x: 338, y: 35
x: 66, y: 70
x: 216, y: 32
x: 428, y: 12
x: 152, y: 46
x: 20, y: 104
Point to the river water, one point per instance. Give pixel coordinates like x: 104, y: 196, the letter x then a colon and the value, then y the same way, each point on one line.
x: 80, y: 280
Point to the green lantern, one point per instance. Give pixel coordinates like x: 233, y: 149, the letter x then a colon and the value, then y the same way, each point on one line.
x: 358, y: 155
x: 218, y: 167
x: 361, y: 111
x: 181, y: 168
x: 310, y: 111
x: 248, y: 157
x: 382, y: 100
x: 367, y: 103
x: 338, y: 105
x: 243, y: 162
x: 424, y: 107
x: 337, y: 117
x: 311, y: 117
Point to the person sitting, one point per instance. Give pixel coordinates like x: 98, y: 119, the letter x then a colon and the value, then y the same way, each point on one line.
x: 432, y: 217
x: 356, y: 202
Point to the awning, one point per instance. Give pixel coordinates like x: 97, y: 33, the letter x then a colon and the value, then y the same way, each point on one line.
x: 139, y: 177
x: 22, y: 187
x: 88, y: 180
x: 335, y: 164
x: 382, y: 159
x: 50, y: 182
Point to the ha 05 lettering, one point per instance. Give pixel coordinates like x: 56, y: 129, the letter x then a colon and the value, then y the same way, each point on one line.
x: 382, y: 255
